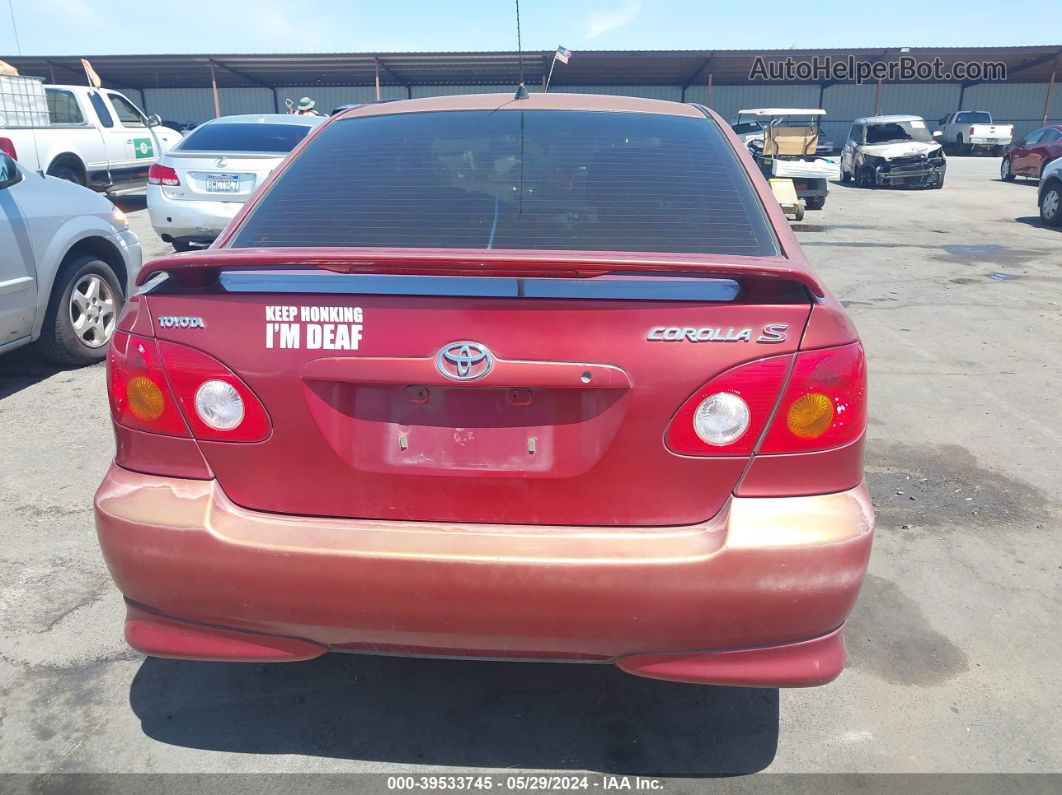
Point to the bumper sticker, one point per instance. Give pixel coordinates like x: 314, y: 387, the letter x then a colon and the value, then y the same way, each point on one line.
x: 327, y: 328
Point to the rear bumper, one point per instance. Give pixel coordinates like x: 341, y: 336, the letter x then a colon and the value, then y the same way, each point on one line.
x: 755, y: 596
x: 188, y: 219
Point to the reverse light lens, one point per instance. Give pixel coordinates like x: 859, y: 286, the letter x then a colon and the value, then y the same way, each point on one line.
x: 721, y: 419
x: 810, y: 415
x: 219, y: 405
x: 144, y: 398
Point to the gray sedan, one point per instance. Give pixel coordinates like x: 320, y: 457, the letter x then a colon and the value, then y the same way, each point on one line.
x: 67, y: 263
x: 197, y: 187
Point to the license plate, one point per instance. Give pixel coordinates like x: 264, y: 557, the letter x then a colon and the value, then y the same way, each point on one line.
x: 222, y: 183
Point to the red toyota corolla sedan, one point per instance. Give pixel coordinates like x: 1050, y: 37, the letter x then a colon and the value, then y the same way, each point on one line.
x: 1029, y: 156
x: 474, y: 376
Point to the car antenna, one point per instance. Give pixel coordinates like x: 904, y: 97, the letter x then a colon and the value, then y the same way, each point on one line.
x: 521, y: 90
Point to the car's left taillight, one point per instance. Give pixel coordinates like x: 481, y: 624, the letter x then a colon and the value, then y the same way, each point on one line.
x: 166, y: 388
x: 7, y: 146
x: 163, y: 175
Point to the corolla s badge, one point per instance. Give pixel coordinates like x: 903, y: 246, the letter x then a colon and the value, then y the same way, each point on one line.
x: 464, y: 361
x: 771, y: 333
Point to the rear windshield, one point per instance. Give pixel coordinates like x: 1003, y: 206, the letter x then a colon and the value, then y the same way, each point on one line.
x: 974, y: 117
x: 571, y: 180
x: 244, y: 138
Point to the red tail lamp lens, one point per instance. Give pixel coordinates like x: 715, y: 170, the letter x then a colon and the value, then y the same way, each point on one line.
x: 825, y: 403
x: 193, y: 375
x: 154, y: 386
x: 162, y: 175
x: 756, y: 384
x: 140, y: 397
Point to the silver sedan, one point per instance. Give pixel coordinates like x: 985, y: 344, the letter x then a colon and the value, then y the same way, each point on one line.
x: 197, y: 187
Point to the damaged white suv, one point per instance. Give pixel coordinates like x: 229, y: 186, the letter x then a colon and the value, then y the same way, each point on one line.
x: 892, y: 150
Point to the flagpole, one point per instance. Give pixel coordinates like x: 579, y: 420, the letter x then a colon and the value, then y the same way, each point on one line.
x: 549, y: 77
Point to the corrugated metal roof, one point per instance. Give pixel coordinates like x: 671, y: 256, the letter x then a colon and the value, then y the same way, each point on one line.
x: 587, y: 67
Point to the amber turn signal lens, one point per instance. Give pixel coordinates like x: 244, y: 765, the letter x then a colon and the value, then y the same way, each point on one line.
x: 145, y: 398
x: 810, y: 415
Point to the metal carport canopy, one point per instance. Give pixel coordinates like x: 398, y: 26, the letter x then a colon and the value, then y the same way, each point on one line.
x: 587, y: 67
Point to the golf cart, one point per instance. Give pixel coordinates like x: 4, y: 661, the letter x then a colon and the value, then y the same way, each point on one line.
x: 786, y: 151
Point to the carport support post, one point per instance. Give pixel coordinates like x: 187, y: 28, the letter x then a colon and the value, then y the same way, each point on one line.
x: 214, y: 87
x: 708, y: 99
x: 877, y: 99
x: 376, y: 61
x: 1047, y: 99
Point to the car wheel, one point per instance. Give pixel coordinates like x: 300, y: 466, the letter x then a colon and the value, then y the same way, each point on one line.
x: 960, y: 148
x: 863, y: 178
x: 937, y: 183
x: 83, y: 312
x: 816, y: 202
x: 1005, y: 173
x: 67, y: 173
x: 1051, y: 205
x: 845, y: 176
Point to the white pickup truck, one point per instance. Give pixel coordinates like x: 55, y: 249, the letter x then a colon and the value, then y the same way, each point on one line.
x: 967, y: 130
x: 97, y: 138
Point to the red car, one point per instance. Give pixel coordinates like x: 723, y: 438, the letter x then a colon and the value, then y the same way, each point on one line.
x: 1029, y: 156
x: 477, y: 376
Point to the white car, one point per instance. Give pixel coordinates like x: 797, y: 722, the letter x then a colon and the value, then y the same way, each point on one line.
x: 96, y: 138
x: 67, y: 262
x: 199, y: 185
x: 968, y: 130
x: 892, y: 150
x: 1050, y: 193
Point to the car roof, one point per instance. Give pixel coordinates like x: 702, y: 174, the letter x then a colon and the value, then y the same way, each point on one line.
x: 535, y: 101
x: 267, y: 118
x: 886, y: 119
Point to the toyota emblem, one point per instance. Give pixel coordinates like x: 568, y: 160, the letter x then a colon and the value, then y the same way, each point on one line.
x: 464, y: 361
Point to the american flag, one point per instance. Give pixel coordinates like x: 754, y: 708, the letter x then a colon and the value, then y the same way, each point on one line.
x: 562, y: 54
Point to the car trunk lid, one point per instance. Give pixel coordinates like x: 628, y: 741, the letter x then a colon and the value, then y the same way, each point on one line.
x: 523, y: 399
x: 220, y: 176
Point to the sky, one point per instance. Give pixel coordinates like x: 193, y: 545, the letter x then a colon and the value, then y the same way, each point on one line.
x: 111, y: 27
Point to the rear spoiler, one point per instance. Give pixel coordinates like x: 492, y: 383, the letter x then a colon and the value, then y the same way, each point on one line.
x: 203, y: 266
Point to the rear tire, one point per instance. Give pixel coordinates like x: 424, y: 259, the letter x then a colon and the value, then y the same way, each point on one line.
x: 816, y: 202
x: 1005, y: 172
x: 69, y: 173
x: 83, y: 312
x: 1051, y: 204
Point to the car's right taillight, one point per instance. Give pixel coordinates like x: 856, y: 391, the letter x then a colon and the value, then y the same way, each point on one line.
x: 163, y: 175
x: 825, y: 402
x: 7, y: 146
